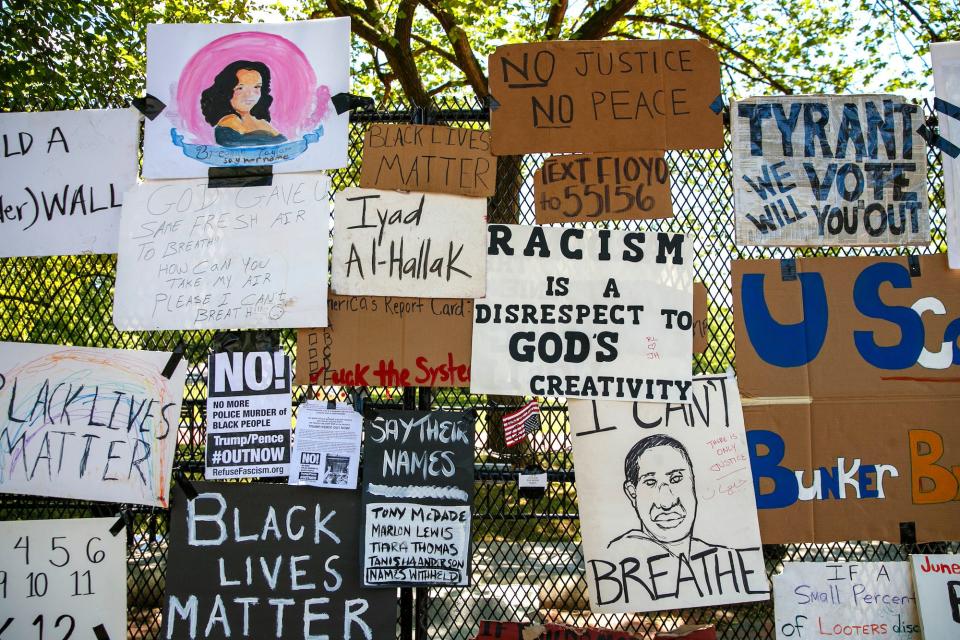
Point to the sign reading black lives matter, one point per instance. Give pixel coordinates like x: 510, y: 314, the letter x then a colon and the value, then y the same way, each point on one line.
x: 417, y: 492
x: 248, y: 415
x: 269, y: 561
x: 829, y: 170
x: 584, y: 313
x: 667, y: 511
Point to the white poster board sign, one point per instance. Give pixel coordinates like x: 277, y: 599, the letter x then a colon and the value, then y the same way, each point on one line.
x: 63, y: 579
x: 845, y: 600
x: 192, y: 257
x: 62, y: 179
x: 85, y: 423
x: 246, y: 95
x: 823, y: 170
x: 667, y: 511
x: 392, y: 243
x: 585, y: 313
x: 945, y: 57
x: 936, y: 580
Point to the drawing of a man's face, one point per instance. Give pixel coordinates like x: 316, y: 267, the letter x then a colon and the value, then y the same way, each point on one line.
x: 246, y: 93
x: 660, y: 486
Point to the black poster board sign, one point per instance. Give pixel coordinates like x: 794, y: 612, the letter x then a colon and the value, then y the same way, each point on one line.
x: 417, y: 496
x: 269, y: 561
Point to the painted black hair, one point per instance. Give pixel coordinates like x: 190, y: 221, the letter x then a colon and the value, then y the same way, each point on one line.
x: 215, y: 99
x: 631, y: 471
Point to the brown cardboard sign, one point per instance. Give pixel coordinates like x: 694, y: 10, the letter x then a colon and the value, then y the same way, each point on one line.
x: 388, y: 342
x: 603, y: 186
x: 589, y: 96
x: 428, y: 158
x: 701, y: 321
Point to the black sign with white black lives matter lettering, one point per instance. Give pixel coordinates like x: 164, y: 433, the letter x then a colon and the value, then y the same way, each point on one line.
x: 417, y: 495
x: 269, y: 561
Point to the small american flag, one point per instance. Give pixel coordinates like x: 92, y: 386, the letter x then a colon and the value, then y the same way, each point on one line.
x: 518, y: 424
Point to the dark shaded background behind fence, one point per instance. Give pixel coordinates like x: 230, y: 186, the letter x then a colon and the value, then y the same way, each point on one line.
x: 526, y: 560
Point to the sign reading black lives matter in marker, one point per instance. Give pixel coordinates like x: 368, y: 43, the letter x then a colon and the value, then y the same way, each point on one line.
x: 248, y: 415
x: 829, y: 170
x: 417, y: 493
x: 67, y: 577
x: 585, y: 313
x: 261, y: 561
x: 667, y: 511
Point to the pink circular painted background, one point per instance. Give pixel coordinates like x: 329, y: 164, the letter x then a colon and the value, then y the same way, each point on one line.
x: 299, y: 105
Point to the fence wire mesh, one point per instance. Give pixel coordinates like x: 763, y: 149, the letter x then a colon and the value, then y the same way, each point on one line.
x: 526, y: 556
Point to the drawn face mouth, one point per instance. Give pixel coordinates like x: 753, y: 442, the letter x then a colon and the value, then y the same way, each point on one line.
x: 669, y: 518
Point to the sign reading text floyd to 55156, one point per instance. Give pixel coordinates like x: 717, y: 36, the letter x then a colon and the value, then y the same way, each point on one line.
x: 262, y: 561
x: 585, y: 313
x: 829, y: 170
x: 62, y: 179
x: 389, y: 243
x: 586, y: 96
x: 90, y: 424
x: 417, y: 493
x: 603, y: 186
x: 192, y: 257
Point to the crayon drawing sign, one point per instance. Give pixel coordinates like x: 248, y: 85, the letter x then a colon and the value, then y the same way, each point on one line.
x: 62, y: 179
x: 667, y: 511
x: 90, y: 424
x: 829, y: 170
x: 936, y: 580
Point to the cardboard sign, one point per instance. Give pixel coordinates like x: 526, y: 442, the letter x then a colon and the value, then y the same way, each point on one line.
x: 845, y: 600
x: 371, y: 341
x: 583, y: 96
x: 603, y: 186
x: 936, y: 580
x: 62, y: 179
x: 666, y: 489
x: 90, y: 424
x: 246, y: 96
x: 497, y: 630
x: 829, y: 170
x: 585, y: 313
x: 945, y: 57
x: 701, y: 320
x: 417, y: 496
x: 248, y: 415
x: 409, y: 244
x: 192, y: 257
x: 63, y: 576
x: 416, y: 157
x: 262, y: 560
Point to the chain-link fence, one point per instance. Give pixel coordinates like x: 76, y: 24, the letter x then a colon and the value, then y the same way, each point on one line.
x: 526, y: 555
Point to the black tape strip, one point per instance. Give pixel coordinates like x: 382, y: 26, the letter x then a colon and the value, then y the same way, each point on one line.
x: 913, y: 262
x: 947, y: 108
x: 344, y: 102
x: 717, y: 105
x: 935, y: 140
x: 331, y: 405
x: 369, y: 413
x: 788, y: 269
x: 174, y: 360
x: 150, y: 106
x: 101, y: 632
x: 224, y: 177
x: 188, y: 489
x: 908, y: 533
x: 118, y: 526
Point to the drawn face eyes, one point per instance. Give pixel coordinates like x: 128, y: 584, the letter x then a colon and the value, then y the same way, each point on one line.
x: 675, y: 477
x: 649, y: 481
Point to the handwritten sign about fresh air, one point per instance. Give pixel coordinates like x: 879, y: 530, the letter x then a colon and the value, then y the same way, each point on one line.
x: 430, y: 158
x: 63, y: 579
x: 62, y: 179
x: 91, y: 424
x: 604, y: 96
x: 192, y: 257
x: 603, y: 186
x: 585, y: 313
x: 417, y: 494
x: 829, y: 170
x: 409, y: 244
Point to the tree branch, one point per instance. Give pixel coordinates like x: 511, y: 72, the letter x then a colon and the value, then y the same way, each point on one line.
x: 600, y: 23
x: 429, y: 46
x: 558, y: 10
x: 466, y: 60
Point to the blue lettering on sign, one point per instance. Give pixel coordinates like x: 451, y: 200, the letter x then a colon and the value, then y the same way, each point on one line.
x: 785, y: 345
x: 866, y: 297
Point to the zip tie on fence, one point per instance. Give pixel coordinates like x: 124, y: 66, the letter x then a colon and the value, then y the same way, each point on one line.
x: 938, y: 142
x: 101, y: 632
x: 150, y: 106
x: 494, y: 104
x: 118, y: 526
x: 174, y: 360
x: 344, y: 102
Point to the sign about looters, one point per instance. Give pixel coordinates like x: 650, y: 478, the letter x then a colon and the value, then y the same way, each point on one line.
x: 192, y: 257
x: 62, y: 179
x: 936, y: 580
x: 90, y: 424
x: 63, y: 579
x: 248, y: 415
x: 603, y: 186
x: 413, y: 244
x: 829, y: 170
x: 417, y: 494
x: 845, y: 600
x: 583, y: 313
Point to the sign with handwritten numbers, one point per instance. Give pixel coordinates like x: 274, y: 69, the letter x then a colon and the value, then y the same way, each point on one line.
x: 62, y: 579
x: 192, y: 257
x: 417, y: 496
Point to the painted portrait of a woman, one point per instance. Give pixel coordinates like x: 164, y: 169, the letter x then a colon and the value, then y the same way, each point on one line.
x: 237, y: 106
